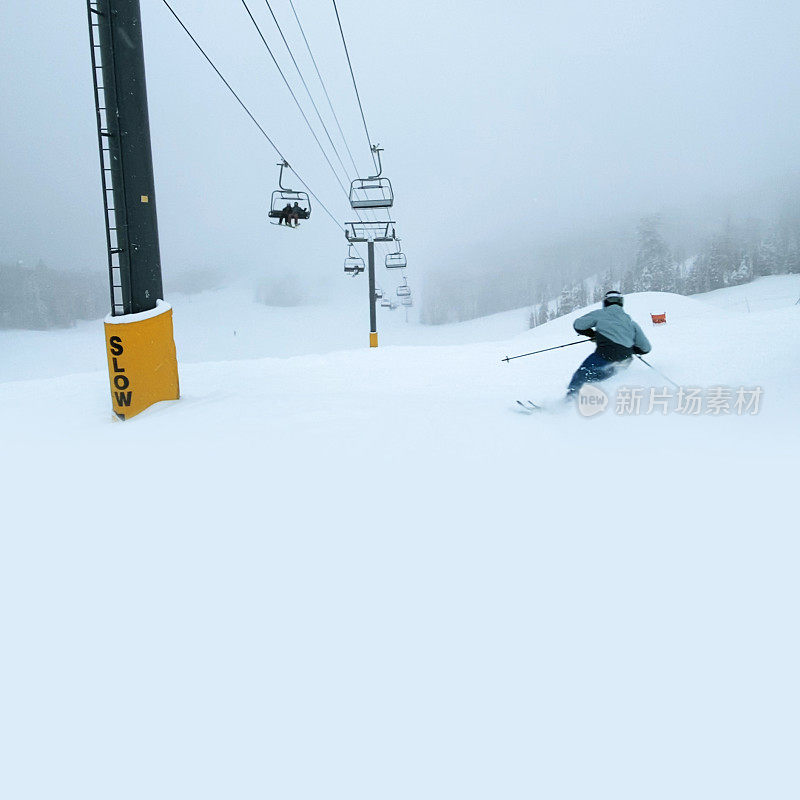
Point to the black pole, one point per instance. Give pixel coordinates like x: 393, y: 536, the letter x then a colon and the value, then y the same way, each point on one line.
x: 373, y: 323
x: 536, y: 352
x: 658, y: 371
x: 126, y: 157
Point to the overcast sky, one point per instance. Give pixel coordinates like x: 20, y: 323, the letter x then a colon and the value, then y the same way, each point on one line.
x: 500, y: 121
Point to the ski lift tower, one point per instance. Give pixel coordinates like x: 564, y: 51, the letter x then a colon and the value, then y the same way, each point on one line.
x: 369, y: 233
x: 140, y: 346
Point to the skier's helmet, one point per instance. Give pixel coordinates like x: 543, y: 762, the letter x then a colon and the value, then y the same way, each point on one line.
x: 612, y: 298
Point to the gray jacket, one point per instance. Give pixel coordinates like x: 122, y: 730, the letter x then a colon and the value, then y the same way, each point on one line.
x: 618, y: 336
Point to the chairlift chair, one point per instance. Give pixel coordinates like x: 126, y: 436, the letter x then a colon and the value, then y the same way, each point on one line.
x: 374, y: 191
x: 353, y: 264
x: 282, y: 197
x: 396, y: 261
x: 403, y: 291
x: 378, y: 294
x: 371, y: 193
x: 386, y: 303
x: 407, y: 301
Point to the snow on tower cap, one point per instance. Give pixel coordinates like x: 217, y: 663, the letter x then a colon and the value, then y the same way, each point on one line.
x: 612, y: 297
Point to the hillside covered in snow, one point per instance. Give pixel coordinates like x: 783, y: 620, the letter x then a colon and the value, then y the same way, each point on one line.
x: 330, y: 571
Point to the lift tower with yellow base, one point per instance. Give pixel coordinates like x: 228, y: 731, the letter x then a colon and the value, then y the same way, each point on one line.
x: 370, y: 232
x: 140, y: 346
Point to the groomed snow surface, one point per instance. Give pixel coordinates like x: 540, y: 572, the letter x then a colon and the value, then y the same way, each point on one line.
x: 335, y: 572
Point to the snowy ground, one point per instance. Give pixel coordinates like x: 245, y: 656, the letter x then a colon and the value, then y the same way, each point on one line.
x: 334, y: 572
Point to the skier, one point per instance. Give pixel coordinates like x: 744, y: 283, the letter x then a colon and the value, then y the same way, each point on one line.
x: 617, y: 337
x: 297, y: 213
x: 286, y: 215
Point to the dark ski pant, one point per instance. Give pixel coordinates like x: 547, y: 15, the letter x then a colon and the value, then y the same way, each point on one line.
x: 595, y: 368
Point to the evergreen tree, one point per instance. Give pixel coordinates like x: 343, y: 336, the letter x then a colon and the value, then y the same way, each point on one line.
x: 544, y: 312
x: 565, y: 302
x: 743, y: 273
x: 692, y: 281
x: 722, y: 261
x: 606, y: 285
x: 713, y: 266
x: 654, y: 270
x: 789, y: 227
x: 628, y: 283
x: 579, y: 296
x: 767, y: 256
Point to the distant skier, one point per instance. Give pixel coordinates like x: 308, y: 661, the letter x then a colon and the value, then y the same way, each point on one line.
x: 617, y: 337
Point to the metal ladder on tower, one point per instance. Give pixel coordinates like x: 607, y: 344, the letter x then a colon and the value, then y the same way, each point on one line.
x: 103, y: 136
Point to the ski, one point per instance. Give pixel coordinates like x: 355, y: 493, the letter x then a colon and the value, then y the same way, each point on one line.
x: 529, y: 406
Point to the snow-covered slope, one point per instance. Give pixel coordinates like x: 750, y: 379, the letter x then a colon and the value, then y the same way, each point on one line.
x: 356, y: 574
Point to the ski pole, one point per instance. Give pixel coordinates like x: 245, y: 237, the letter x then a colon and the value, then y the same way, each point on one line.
x: 658, y: 371
x: 536, y: 352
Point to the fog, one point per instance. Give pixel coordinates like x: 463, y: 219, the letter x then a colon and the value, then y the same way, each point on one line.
x: 507, y: 128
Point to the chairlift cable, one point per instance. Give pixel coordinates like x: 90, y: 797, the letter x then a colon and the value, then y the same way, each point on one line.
x: 311, y: 98
x: 324, y: 88
x: 330, y: 103
x: 370, y: 215
x: 358, y: 96
x: 249, y: 113
x: 294, y: 97
x: 355, y: 86
x: 308, y: 91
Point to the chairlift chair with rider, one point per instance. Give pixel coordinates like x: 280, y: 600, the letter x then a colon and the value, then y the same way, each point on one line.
x: 283, y: 197
x: 353, y: 264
